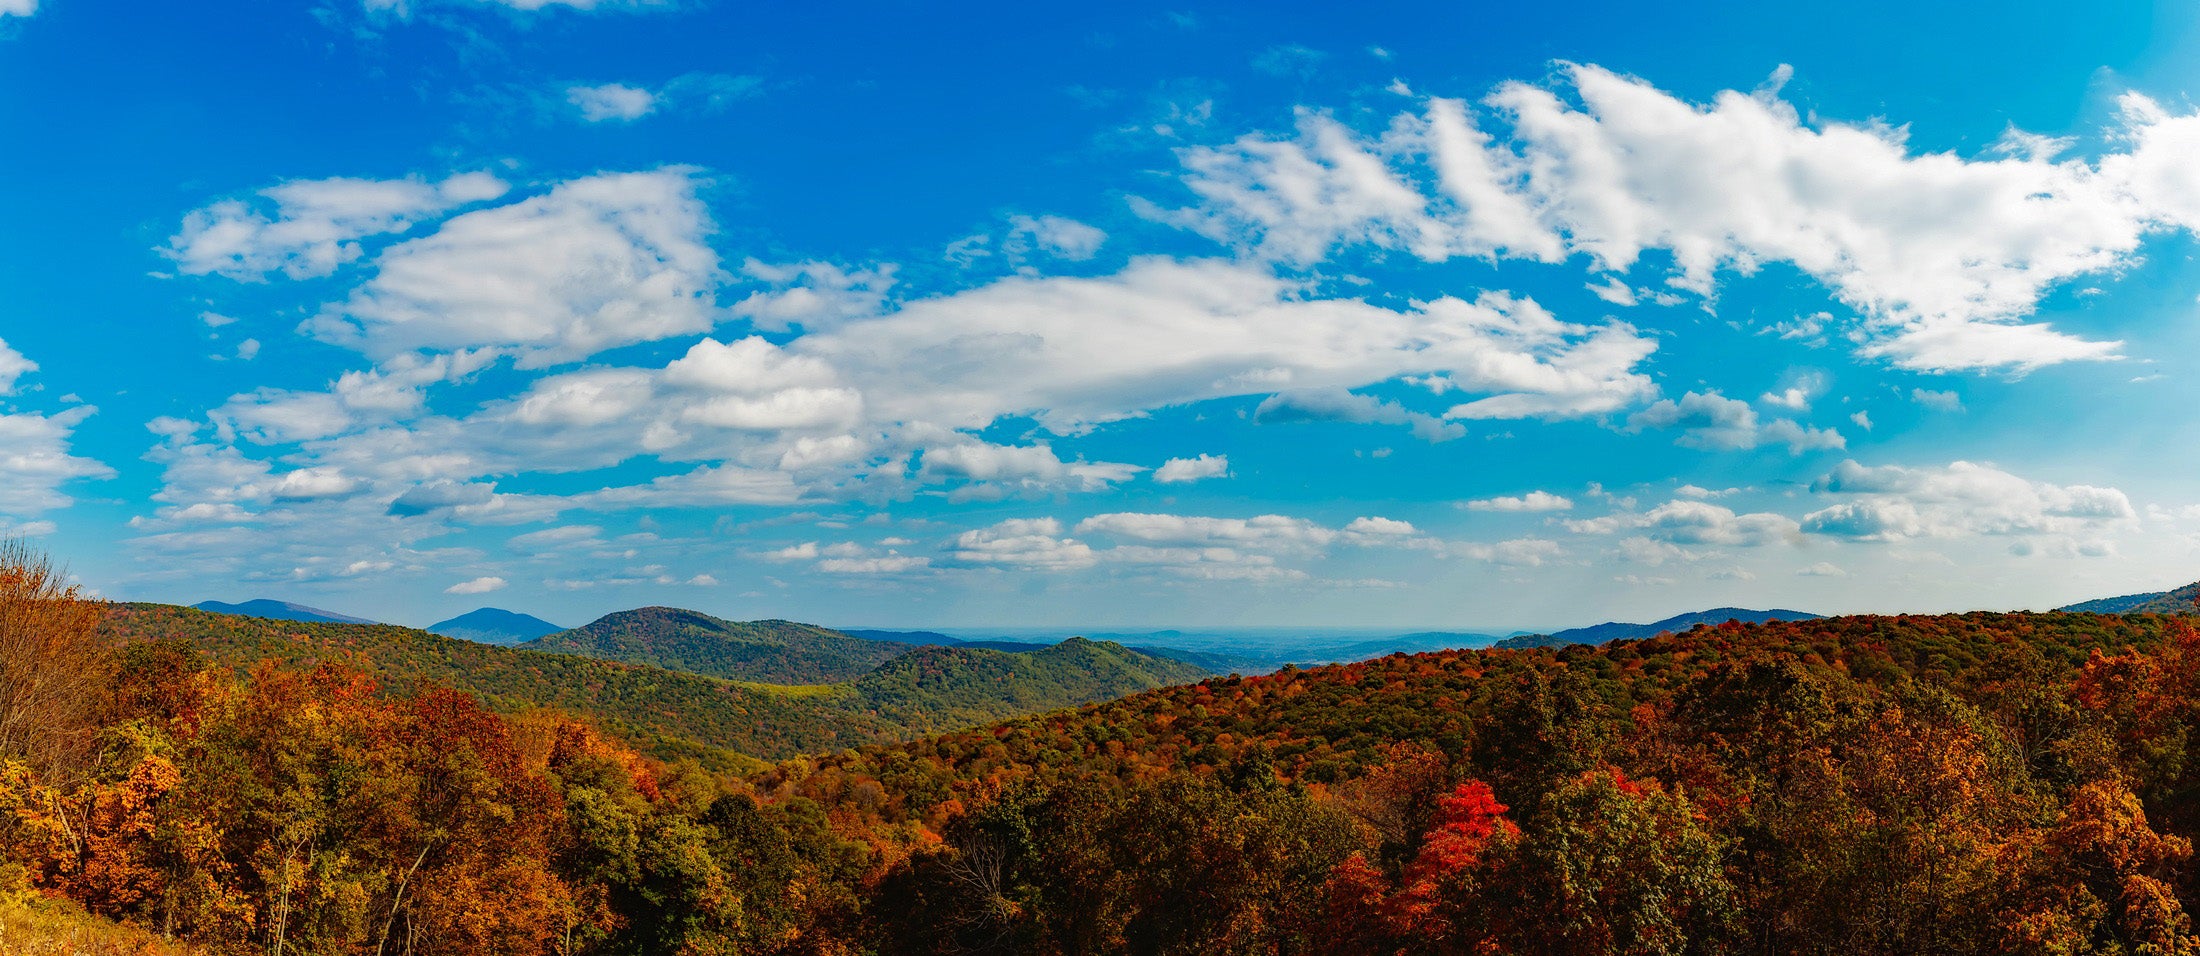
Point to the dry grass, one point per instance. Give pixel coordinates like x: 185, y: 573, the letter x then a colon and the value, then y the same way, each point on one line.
x: 30, y: 926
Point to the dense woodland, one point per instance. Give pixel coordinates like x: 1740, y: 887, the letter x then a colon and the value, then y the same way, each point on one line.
x: 1988, y: 783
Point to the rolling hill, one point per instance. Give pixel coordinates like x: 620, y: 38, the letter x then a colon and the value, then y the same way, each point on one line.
x: 769, y: 652
x: 490, y: 625
x: 279, y: 611
x: 1617, y: 631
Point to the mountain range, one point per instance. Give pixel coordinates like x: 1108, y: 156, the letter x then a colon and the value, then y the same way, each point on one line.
x: 775, y: 689
x: 279, y: 611
x: 1617, y: 631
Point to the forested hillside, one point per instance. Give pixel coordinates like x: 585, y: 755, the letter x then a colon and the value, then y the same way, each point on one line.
x: 770, y: 652
x: 2184, y: 600
x: 668, y: 713
x: 937, y: 688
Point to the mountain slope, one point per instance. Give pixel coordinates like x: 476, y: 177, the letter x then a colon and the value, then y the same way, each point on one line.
x: 933, y: 688
x: 489, y: 625
x: 770, y: 652
x: 1618, y: 631
x: 2184, y: 600
x: 279, y: 611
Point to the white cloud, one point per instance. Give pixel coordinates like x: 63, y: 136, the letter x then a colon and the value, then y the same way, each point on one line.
x: 1181, y: 470
x: 873, y: 401
x: 1519, y: 552
x: 598, y: 262
x: 403, y: 8
x: 18, y: 8
x: 1694, y: 522
x: 560, y: 537
x: 611, y: 101
x: 1711, y: 421
x: 1074, y: 352
x: 1023, y: 543
x: 1339, y: 405
x: 1614, y: 291
x: 1891, y: 503
x: 1020, y: 467
x: 1947, y: 401
x: 813, y: 295
x: 1698, y: 491
x: 1532, y: 501
x: 1796, y: 396
x: 13, y: 366
x: 481, y: 585
x: 1945, y: 258
x: 1268, y: 532
x: 1055, y: 236
x: 1823, y: 569
x: 890, y: 564
x: 315, y: 226
x: 35, y: 461
x: 1708, y: 420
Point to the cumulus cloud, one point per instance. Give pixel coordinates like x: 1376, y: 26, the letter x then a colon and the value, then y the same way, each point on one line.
x: 1945, y: 258
x: 1890, y: 503
x: 1532, y: 501
x: 1033, y: 544
x: 1183, y: 470
x: 314, y: 226
x: 1693, y: 522
x: 597, y: 262
x: 480, y: 585
x: 812, y: 295
x: 1797, y: 395
x: 18, y: 8
x: 1712, y: 421
x: 1024, y: 467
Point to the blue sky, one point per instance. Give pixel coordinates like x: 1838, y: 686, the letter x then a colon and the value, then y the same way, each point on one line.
x: 1420, y: 315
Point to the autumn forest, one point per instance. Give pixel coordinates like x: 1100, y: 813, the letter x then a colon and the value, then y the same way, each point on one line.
x: 1983, y: 783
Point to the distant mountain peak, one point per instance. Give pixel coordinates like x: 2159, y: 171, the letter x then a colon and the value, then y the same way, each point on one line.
x: 274, y: 610
x: 494, y: 625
